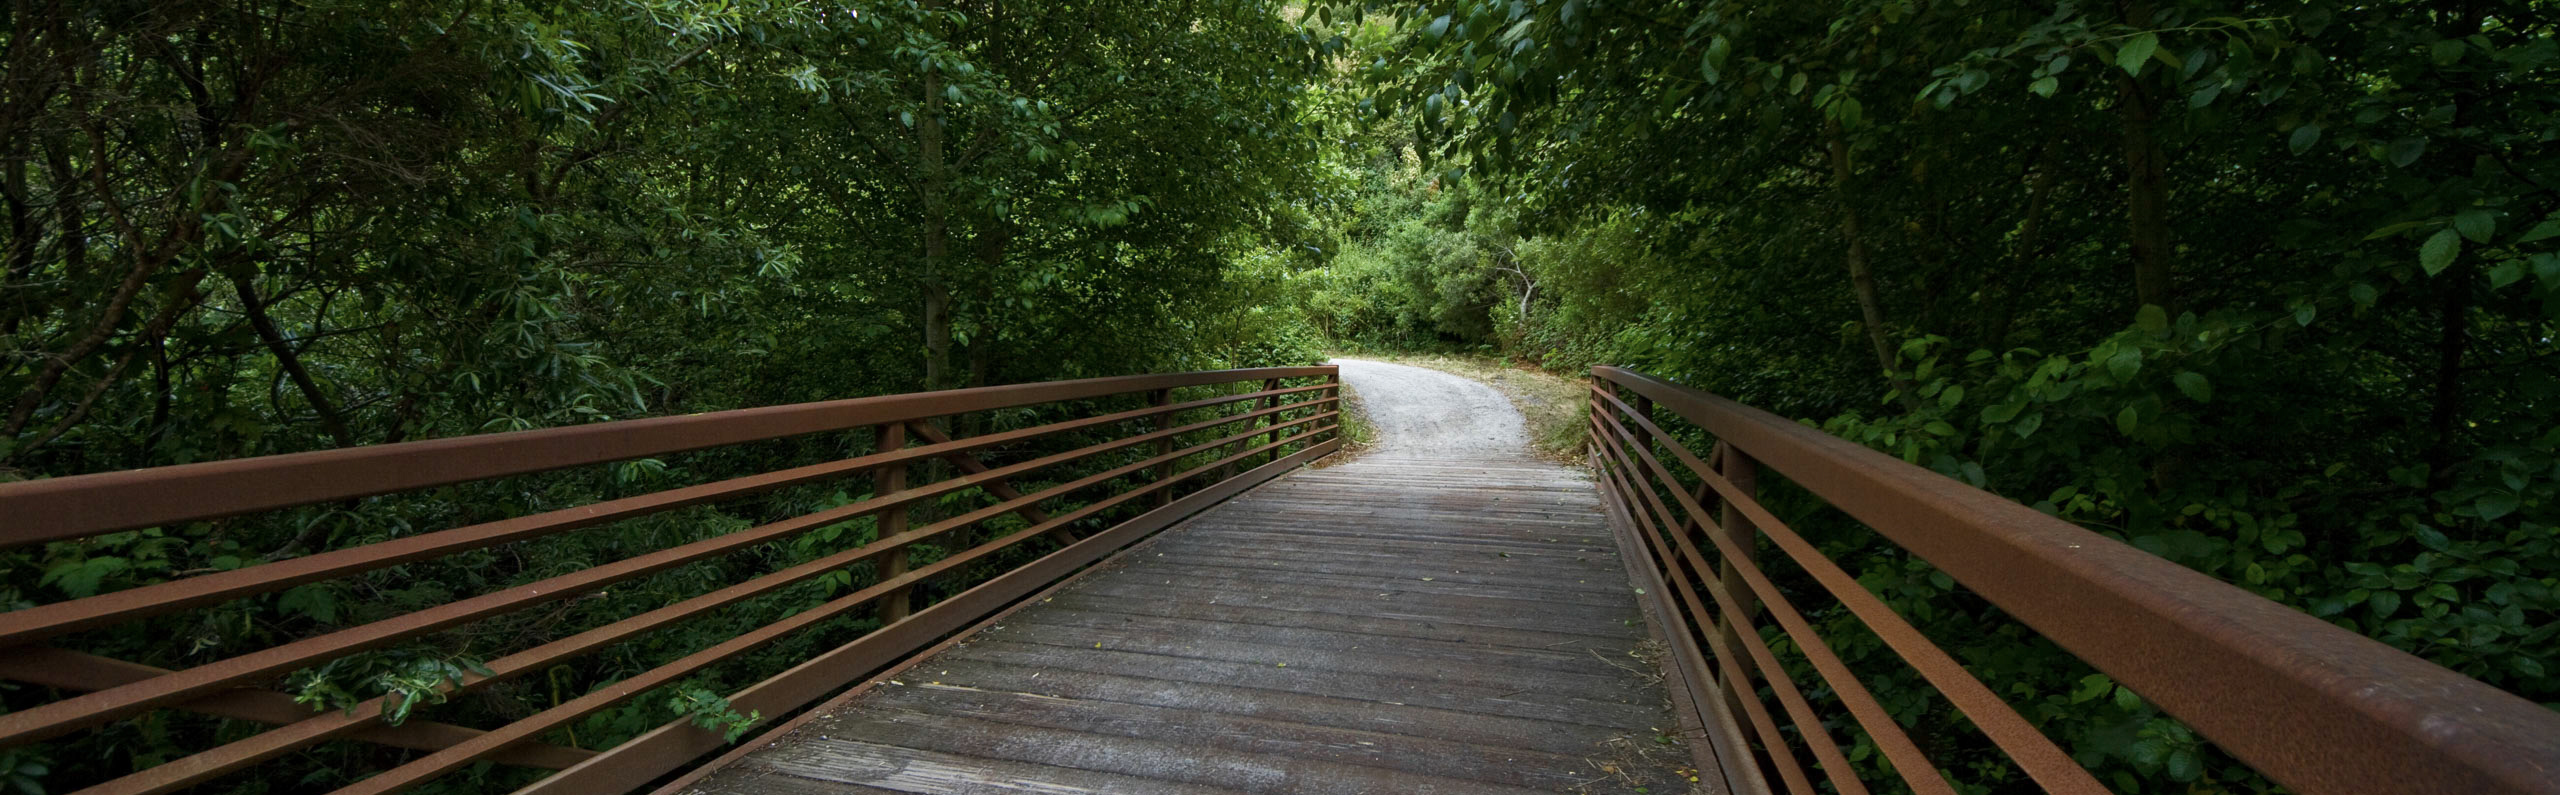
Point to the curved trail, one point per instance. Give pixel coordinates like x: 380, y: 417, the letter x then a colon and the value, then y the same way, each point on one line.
x: 1421, y: 413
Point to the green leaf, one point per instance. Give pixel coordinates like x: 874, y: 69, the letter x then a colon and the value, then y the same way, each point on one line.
x: 2152, y: 318
x: 2125, y: 363
x: 2182, y: 765
x: 2438, y: 252
x: 2137, y: 51
x: 80, y: 579
x: 2304, y: 137
x: 1713, y: 64
x: 2044, y: 87
x: 2127, y: 420
x: 1940, y: 427
x: 2506, y: 273
x: 2476, y: 223
x: 2091, y: 688
x: 2495, y: 504
x: 2445, y: 51
x: 2541, y: 231
x: 2126, y: 699
x: 2364, y: 294
x: 310, y: 600
x: 2003, y: 412
x: 2147, y: 751
x: 2027, y: 427
x: 2383, y: 603
x: 1439, y: 27
x: 2194, y: 386
x: 2405, y: 151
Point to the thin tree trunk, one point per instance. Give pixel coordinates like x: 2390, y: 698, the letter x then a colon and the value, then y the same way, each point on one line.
x: 290, y: 362
x: 2030, y: 240
x: 2146, y: 183
x: 2453, y: 319
x: 1862, y: 277
x: 937, y: 236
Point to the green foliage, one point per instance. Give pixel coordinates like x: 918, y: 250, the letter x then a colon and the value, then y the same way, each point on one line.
x: 708, y: 710
x: 23, y: 770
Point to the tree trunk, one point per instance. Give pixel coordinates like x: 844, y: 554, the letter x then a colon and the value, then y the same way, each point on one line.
x: 290, y: 362
x: 937, y: 237
x: 2146, y: 183
x: 2030, y: 239
x: 2453, y: 339
x: 1862, y: 277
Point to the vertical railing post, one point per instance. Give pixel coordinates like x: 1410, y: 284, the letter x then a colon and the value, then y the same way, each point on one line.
x: 1162, y: 398
x: 1738, y: 468
x: 886, y: 480
x: 1268, y: 420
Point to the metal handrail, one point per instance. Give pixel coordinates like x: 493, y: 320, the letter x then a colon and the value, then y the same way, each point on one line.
x: 85, y: 505
x: 2312, y: 706
x: 1286, y: 424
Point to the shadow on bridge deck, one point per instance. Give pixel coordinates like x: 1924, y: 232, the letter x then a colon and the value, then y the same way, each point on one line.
x: 1389, y: 625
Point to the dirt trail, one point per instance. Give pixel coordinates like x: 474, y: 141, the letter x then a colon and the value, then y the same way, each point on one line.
x: 1424, y: 413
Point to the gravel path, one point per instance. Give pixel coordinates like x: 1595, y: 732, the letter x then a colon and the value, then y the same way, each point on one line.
x: 1424, y: 413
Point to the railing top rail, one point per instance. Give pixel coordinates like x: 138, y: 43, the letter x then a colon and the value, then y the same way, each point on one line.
x: 2316, y: 707
x: 82, y: 505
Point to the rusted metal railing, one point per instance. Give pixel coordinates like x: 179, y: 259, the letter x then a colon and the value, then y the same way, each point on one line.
x: 1202, y: 447
x: 2312, y: 706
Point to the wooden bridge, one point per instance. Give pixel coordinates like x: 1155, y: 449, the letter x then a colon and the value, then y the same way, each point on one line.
x: 1138, y: 585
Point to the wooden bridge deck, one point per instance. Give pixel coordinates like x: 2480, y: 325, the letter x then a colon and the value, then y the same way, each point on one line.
x: 1389, y: 625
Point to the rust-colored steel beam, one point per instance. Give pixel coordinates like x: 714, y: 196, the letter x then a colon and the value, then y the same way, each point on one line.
x: 82, y: 505
x: 2315, y: 707
x: 45, y: 621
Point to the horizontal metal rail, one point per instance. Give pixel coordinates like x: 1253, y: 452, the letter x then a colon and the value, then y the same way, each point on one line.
x: 1254, y: 413
x: 2315, y: 707
x: 60, y: 508
x: 45, y: 621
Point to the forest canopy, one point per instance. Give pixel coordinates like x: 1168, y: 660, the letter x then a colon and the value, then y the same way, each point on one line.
x: 2270, y: 289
